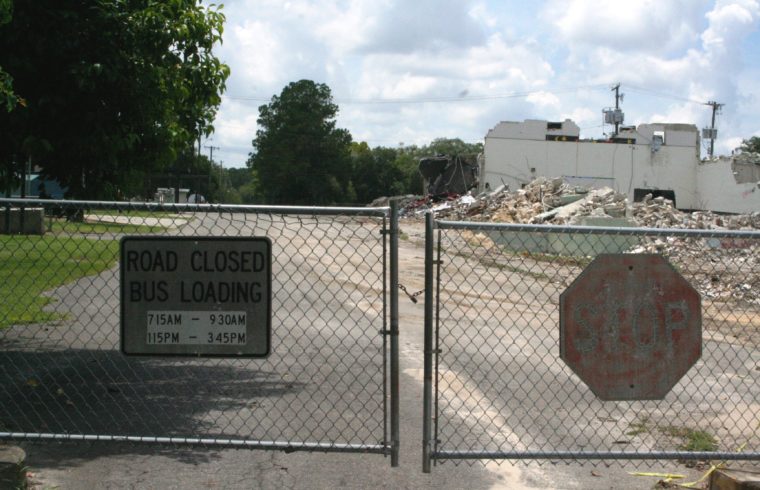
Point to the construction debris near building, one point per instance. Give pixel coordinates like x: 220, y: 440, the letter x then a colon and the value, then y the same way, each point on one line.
x: 447, y: 174
x: 555, y: 202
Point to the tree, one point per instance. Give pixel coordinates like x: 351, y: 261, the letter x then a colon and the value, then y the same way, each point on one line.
x: 7, y: 97
x: 383, y: 171
x: 299, y: 156
x: 114, y: 89
x: 452, y: 147
x: 751, y: 145
x: 377, y: 172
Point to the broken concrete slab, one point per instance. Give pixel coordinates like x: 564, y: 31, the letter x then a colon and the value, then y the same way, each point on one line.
x: 12, y: 473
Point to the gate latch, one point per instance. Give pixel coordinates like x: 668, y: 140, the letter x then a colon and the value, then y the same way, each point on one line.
x: 412, y: 296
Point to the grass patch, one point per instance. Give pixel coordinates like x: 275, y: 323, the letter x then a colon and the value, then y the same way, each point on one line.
x: 639, y: 427
x: 63, y: 226
x: 692, y: 439
x: 136, y: 213
x: 30, y: 265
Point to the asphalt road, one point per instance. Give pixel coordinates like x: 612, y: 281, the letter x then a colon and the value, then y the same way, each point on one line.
x: 324, y: 382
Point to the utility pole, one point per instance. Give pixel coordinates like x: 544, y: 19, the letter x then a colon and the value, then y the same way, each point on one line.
x: 211, y: 149
x: 618, y: 98
x: 713, y: 133
x: 221, y: 177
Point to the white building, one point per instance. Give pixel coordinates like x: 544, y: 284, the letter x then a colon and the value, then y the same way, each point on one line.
x: 662, y: 159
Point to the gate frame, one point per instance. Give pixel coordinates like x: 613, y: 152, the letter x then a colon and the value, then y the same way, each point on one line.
x: 430, y: 452
x: 390, y: 226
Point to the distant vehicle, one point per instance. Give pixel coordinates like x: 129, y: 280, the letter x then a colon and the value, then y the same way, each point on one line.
x: 195, y: 198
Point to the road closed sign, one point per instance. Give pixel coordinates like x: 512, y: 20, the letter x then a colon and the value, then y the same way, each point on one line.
x: 196, y: 296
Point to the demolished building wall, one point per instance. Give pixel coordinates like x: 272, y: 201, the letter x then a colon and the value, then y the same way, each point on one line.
x: 662, y: 159
x: 633, y: 161
x: 739, y: 187
x: 445, y: 174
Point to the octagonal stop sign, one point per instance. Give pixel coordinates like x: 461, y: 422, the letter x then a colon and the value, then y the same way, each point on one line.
x: 630, y: 326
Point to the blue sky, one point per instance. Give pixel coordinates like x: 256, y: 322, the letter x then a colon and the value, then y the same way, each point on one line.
x: 409, y: 72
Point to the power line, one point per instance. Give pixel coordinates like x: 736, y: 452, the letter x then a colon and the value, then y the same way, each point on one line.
x: 426, y: 100
x: 663, y: 95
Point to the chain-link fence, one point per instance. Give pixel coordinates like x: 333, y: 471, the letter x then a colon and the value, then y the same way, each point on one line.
x: 497, y: 388
x: 325, y: 385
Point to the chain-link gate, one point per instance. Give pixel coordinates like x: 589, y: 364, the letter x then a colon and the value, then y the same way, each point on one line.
x: 330, y: 382
x: 497, y: 389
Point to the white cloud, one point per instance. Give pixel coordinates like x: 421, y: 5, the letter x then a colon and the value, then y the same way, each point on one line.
x: 644, y: 25
x: 423, y: 25
x: 543, y: 100
x: 388, y: 49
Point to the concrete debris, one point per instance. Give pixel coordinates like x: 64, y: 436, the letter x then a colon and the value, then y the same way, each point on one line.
x: 746, y: 157
x: 552, y: 201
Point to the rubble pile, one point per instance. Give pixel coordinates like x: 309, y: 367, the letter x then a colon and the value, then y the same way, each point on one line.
x: 747, y: 157
x: 552, y: 201
x: 660, y: 213
x: 723, y: 269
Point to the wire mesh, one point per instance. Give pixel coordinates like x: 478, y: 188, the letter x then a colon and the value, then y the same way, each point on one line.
x: 501, y: 390
x: 323, y: 387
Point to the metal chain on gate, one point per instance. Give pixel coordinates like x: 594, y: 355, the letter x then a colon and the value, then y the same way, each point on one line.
x: 412, y: 296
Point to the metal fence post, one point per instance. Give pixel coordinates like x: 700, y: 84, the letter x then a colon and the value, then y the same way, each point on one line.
x: 8, y: 218
x: 394, y: 335
x: 427, y: 409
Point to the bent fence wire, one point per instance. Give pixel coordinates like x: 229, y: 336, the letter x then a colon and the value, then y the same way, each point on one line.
x: 497, y: 388
x: 323, y: 387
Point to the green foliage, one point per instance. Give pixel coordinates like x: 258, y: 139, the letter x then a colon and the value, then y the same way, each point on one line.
x: 299, y: 156
x: 114, y: 89
x: 639, y: 427
x: 384, y: 171
x: 7, y: 97
x: 751, y: 145
x: 6, y: 10
x: 452, y: 147
x: 238, y: 177
x: 693, y: 439
x: 376, y: 172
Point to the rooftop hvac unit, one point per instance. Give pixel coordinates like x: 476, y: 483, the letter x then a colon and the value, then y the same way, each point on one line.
x: 710, y: 133
x: 613, y: 116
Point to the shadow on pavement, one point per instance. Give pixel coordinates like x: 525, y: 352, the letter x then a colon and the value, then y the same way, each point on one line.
x: 104, y: 392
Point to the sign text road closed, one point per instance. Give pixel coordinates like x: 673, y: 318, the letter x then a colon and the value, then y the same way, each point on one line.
x: 196, y: 296
x: 630, y: 326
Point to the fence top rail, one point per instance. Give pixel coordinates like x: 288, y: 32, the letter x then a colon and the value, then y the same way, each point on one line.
x: 596, y: 230
x: 208, y: 208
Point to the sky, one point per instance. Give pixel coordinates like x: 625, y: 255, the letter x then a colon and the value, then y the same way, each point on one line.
x: 407, y: 72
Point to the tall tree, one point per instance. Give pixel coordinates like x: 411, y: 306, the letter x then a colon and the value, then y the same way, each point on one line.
x: 377, y: 172
x: 7, y: 97
x: 452, y: 147
x: 299, y: 156
x: 114, y: 89
x: 751, y: 145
